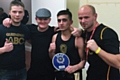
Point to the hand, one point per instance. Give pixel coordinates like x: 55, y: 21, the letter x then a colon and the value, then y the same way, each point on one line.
x: 52, y: 47
x: 8, y: 46
x: 76, y: 31
x: 7, y: 22
x: 91, y: 44
x: 70, y: 69
x: 56, y: 29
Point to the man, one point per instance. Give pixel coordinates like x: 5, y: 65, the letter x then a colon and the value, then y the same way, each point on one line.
x: 73, y: 47
x: 12, y: 41
x: 41, y: 65
x: 105, y: 37
x: 3, y: 15
x: 41, y: 36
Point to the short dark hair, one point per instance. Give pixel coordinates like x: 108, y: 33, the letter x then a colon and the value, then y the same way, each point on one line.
x: 16, y: 3
x: 65, y: 12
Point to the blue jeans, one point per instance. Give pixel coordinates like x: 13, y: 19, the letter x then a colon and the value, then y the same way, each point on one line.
x: 13, y: 74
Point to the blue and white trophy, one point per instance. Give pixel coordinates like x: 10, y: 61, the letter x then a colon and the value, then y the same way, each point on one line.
x: 60, y: 61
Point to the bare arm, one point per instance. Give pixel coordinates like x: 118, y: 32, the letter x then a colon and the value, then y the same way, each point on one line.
x: 52, y: 46
x: 80, y: 45
x: 110, y: 59
x: 27, y: 55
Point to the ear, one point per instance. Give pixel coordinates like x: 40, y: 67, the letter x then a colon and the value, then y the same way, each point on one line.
x: 35, y: 18
x: 9, y: 13
x: 49, y: 19
x: 71, y: 22
x: 95, y: 15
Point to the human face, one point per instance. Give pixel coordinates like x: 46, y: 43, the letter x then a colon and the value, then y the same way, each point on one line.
x: 16, y: 13
x: 86, y: 18
x: 43, y: 22
x: 64, y: 22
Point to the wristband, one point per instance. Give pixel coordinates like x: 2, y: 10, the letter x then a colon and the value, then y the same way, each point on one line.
x: 98, y: 50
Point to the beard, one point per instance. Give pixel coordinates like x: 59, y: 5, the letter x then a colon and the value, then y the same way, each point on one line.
x: 88, y: 27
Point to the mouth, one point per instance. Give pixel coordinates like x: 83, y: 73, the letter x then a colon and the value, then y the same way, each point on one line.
x: 17, y: 19
x: 61, y: 27
x: 84, y: 25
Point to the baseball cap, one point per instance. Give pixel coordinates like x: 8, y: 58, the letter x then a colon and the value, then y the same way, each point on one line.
x: 43, y: 13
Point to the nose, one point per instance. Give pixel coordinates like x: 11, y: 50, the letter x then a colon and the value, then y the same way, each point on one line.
x: 61, y: 22
x: 82, y: 20
x: 17, y: 13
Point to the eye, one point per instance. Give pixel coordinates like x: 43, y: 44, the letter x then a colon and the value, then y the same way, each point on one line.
x: 20, y: 12
x: 43, y: 18
x: 64, y: 20
x: 14, y: 11
x: 59, y: 20
x: 86, y: 17
x: 80, y: 18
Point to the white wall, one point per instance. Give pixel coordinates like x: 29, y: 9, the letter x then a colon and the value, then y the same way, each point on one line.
x: 53, y: 5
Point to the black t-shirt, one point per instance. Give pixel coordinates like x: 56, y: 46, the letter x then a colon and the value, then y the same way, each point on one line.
x: 14, y: 59
x: 99, y: 70
x: 40, y: 60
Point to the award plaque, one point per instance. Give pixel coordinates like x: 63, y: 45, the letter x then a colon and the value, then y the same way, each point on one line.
x: 60, y: 61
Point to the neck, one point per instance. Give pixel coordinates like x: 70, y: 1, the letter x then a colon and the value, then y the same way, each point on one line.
x: 42, y: 29
x: 16, y: 24
x: 66, y: 35
x: 93, y: 27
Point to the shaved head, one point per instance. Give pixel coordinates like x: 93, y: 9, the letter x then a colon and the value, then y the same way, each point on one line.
x: 87, y: 17
x: 88, y: 7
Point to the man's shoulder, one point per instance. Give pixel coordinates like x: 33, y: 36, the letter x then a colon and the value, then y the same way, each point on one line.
x: 106, y: 29
x: 51, y: 27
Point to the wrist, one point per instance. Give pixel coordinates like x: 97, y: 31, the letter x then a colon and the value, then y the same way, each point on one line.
x: 2, y: 50
x: 81, y: 32
x: 98, y: 50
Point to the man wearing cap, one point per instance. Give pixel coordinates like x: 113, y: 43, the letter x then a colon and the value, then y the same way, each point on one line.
x: 41, y: 65
x: 41, y: 35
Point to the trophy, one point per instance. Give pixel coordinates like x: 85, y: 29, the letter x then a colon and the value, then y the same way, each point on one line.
x: 60, y: 61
